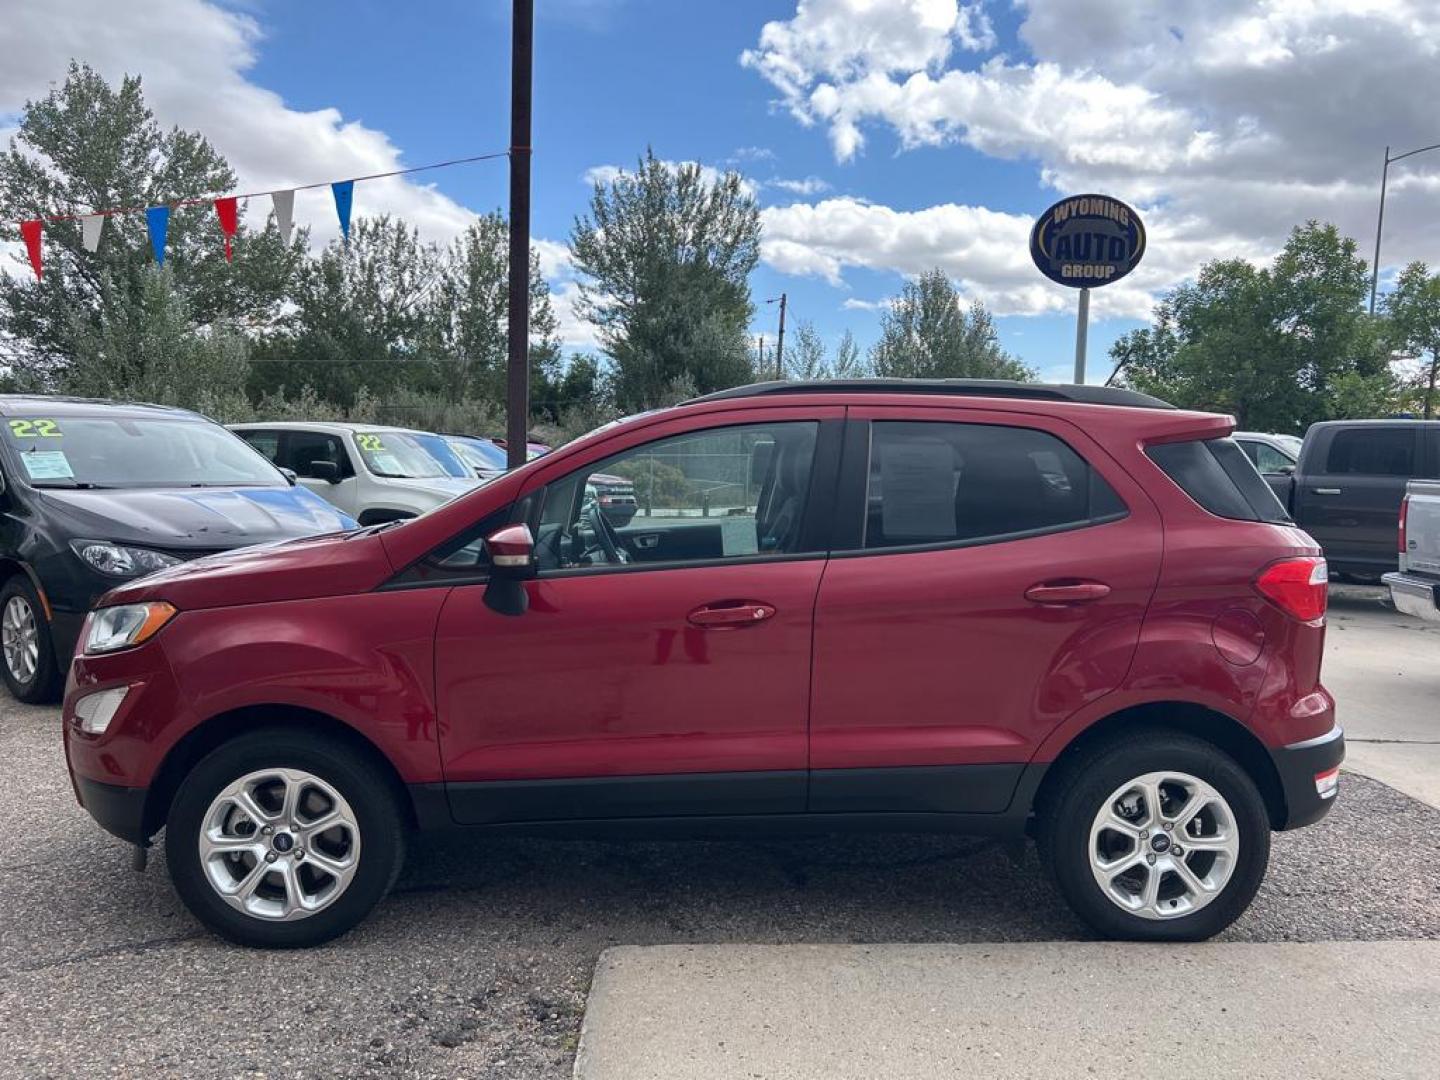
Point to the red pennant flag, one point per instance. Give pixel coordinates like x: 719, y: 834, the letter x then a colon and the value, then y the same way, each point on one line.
x: 225, y: 211
x: 30, y: 230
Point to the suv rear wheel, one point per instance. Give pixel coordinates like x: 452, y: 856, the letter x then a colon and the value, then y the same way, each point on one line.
x: 29, y: 667
x: 281, y: 839
x: 1161, y: 837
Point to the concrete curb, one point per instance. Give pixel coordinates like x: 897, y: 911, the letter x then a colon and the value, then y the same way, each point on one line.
x: 1044, y: 1010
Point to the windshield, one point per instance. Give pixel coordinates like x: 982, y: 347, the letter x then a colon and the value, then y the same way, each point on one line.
x: 111, y: 452
x: 1292, y: 443
x: 397, y: 454
x: 480, y: 454
x: 440, y: 449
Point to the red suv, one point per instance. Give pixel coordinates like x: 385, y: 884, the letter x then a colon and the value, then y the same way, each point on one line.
x: 1069, y: 612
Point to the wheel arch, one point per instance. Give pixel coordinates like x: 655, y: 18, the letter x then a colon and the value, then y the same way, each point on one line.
x: 219, y: 729
x: 1199, y: 721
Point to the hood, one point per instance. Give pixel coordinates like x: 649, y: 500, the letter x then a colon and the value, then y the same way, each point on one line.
x: 334, y: 565
x: 442, y: 488
x: 205, y: 518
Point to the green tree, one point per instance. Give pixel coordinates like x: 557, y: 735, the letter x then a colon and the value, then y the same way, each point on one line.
x: 1278, y: 347
x: 468, y: 318
x: 849, y: 364
x: 667, y: 256
x: 1413, y: 307
x: 88, y: 146
x: 926, y: 334
x: 806, y: 358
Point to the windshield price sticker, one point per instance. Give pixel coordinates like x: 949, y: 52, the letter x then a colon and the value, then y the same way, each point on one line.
x: 371, y: 444
x: 387, y: 464
x: 35, y: 429
x: 47, y: 465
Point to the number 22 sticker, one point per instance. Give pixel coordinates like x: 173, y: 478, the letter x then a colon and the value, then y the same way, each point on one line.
x: 44, y: 429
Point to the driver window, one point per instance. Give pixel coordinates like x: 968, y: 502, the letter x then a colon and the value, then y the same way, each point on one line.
x: 733, y: 492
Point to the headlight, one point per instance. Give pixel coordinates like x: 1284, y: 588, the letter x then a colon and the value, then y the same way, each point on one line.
x: 124, y: 625
x: 117, y: 560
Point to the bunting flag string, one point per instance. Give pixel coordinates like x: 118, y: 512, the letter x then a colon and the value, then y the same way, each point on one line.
x: 157, y: 218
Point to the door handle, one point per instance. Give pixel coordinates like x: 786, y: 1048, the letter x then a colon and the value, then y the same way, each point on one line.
x: 745, y: 613
x: 1327, y: 491
x: 647, y: 541
x: 1067, y: 592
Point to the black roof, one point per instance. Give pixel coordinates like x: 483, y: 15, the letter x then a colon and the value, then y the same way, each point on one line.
x: 1005, y: 388
x: 59, y: 405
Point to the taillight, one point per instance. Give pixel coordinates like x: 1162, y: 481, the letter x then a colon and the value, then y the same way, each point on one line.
x: 1298, y: 586
x: 1404, y: 513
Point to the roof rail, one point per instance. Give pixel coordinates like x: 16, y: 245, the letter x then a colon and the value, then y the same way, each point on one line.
x: 1004, y: 388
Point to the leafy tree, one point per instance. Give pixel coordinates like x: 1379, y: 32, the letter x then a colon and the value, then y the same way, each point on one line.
x: 806, y: 358
x: 468, y: 318
x: 667, y: 256
x: 927, y: 335
x: 1413, y: 307
x: 89, y: 146
x: 849, y: 364
x: 1279, y: 347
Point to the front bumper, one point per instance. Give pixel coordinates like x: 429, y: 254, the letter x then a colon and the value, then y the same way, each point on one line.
x: 120, y: 811
x: 1309, y: 776
x: 1414, y: 595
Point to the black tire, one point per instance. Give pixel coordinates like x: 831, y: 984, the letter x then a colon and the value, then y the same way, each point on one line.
x: 44, y: 683
x: 370, y: 795
x: 1069, y: 811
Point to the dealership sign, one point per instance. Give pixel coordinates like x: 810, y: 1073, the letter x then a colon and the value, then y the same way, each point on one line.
x: 1087, y: 240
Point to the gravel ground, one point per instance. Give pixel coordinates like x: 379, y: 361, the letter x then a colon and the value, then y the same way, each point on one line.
x: 478, y: 964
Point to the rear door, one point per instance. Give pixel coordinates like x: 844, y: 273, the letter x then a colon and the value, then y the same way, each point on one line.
x: 997, y: 571
x: 1351, y: 500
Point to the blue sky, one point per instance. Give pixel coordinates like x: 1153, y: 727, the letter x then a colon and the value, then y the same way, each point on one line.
x: 883, y: 137
x: 612, y: 78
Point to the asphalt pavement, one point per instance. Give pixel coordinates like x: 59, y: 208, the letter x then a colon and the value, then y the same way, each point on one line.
x: 479, y: 964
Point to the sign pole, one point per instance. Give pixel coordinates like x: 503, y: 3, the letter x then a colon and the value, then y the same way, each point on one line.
x: 517, y: 308
x: 1082, y: 331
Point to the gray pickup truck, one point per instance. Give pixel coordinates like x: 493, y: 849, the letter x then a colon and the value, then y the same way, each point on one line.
x: 1415, y: 588
x: 1346, y: 488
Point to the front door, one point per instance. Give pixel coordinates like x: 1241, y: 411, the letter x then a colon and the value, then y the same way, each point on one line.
x: 662, y: 669
x: 998, y: 573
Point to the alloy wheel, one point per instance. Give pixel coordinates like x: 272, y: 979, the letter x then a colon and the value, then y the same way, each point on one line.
x: 279, y: 844
x: 1164, y: 845
x: 20, y: 639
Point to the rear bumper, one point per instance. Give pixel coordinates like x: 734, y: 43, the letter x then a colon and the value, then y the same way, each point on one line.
x: 1309, y: 776
x: 118, y: 810
x: 1414, y: 595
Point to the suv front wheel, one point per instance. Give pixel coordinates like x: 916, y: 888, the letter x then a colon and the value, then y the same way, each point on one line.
x: 281, y: 839
x: 1160, y: 837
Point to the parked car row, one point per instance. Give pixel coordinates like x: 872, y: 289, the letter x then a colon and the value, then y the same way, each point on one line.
x: 94, y: 493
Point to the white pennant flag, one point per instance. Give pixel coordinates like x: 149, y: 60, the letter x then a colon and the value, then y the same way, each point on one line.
x: 284, y: 213
x: 90, y: 226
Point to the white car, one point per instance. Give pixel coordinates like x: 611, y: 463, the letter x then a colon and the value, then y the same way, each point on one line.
x: 371, y: 472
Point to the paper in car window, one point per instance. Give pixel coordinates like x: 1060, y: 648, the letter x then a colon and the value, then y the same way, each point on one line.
x: 385, y: 462
x: 738, y: 536
x: 47, y: 465
x: 917, y: 490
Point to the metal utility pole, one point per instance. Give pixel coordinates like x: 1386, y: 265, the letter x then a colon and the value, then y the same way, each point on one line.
x: 517, y: 393
x: 1380, y: 221
x: 780, y: 338
x: 1082, y: 333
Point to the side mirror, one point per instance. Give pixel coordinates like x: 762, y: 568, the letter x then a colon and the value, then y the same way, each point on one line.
x: 325, y: 470
x: 290, y: 477
x: 512, y: 563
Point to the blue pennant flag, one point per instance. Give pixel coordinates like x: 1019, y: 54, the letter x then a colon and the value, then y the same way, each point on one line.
x: 344, y: 194
x: 157, y: 220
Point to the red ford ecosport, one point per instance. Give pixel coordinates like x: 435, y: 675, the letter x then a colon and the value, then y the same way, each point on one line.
x: 962, y: 606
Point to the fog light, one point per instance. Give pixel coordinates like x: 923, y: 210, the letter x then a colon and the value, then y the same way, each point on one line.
x: 1327, y: 783
x: 93, y: 712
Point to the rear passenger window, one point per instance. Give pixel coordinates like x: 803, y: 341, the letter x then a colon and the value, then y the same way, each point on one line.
x: 1217, y: 475
x: 1368, y: 451
x: 937, y: 483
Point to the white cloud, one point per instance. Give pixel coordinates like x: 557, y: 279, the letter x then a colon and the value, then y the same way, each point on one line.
x: 811, y: 185
x: 1233, y: 120
x: 709, y: 174
x: 193, y: 58
x: 852, y: 303
x: 985, y: 252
